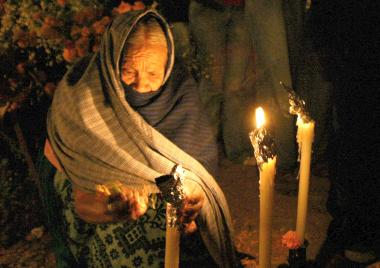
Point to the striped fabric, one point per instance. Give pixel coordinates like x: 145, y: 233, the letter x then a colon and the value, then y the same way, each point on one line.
x: 175, y: 111
x: 98, y: 137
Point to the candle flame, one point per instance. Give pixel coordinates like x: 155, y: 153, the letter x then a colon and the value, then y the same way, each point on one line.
x: 262, y: 140
x: 260, y: 117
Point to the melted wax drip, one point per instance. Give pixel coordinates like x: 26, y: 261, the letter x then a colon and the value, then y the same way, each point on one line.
x: 297, y: 105
x: 263, y: 145
x: 172, y: 192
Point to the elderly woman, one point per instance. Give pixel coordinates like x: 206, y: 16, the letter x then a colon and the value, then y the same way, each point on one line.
x: 124, y: 117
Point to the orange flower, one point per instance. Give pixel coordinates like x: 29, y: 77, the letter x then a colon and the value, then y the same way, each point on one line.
x: 18, y: 34
x: 61, y: 3
x: 69, y: 52
x: 90, y: 13
x: 79, y: 17
x: 98, y: 27
x: 291, y: 240
x: 23, y: 39
x: 51, y: 21
x: 49, y: 32
x: 13, y: 106
x: 138, y: 5
x: 122, y: 8
x: 20, y: 68
x: 32, y: 39
x: 2, y: 6
x: 82, y: 46
x: 49, y: 88
x: 75, y: 31
x: 37, y: 16
x: 22, y: 43
x: 85, y: 32
x: 86, y: 15
x: 106, y: 20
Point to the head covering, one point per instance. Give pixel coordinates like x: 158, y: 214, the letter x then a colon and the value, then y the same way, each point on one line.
x: 175, y: 112
x: 98, y: 136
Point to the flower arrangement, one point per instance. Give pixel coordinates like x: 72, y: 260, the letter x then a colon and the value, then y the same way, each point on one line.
x: 39, y: 39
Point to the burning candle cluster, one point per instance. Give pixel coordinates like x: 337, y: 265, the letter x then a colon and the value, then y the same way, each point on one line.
x: 264, y: 151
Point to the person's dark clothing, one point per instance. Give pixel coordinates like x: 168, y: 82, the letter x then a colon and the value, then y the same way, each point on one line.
x: 345, y: 36
x: 174, y: 10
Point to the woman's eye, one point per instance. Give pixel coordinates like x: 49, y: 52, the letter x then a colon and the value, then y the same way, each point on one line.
x: 128, y: 72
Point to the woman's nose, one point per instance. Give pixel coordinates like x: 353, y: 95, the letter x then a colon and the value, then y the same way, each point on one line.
x: 142, y: 84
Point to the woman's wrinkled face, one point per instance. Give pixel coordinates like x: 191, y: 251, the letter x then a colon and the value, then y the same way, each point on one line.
x: 144, y: 67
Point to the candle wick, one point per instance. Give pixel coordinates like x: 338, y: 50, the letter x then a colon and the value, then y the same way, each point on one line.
x: 297, y: 104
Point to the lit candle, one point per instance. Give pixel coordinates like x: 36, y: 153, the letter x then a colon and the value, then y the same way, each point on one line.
x: 305, y: 137
x: 263, y: 145
x: 172, y: 191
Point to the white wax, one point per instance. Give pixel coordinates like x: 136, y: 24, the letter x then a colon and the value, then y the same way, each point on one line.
x: 171, y: 244
x: 305, y: 137
x: 267, y: 174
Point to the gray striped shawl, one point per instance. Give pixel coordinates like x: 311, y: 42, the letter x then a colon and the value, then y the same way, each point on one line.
x: 175, y: 110
x: 98, y: 137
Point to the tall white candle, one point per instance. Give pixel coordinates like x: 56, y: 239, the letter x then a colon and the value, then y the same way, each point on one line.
x: 305, y: 137
x: 171, y: 242
x: 267, y: 173
x: 172, y: 191
x: 266, y: 160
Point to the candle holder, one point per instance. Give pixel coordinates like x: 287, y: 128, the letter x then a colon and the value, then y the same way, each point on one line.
x: 297, y: 257
x: 171, y: 188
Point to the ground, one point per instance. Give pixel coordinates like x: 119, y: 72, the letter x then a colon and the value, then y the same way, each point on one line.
x: 240, y: 184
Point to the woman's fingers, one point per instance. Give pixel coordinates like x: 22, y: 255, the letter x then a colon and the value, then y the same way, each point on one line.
x: 127, y: 194
x: 191, y: 211
x: 189, y: 228
x: 138, y: 205
x: 91, y: 207
x: 109, y: 205
x: 127, y: 204
x: 194, y: 197
x: 192, y: 206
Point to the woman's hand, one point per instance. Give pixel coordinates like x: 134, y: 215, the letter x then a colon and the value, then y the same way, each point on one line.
x: 194, y: 199
x: 91, y: 207
x: 107, y: 207
x: 127, y: 204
